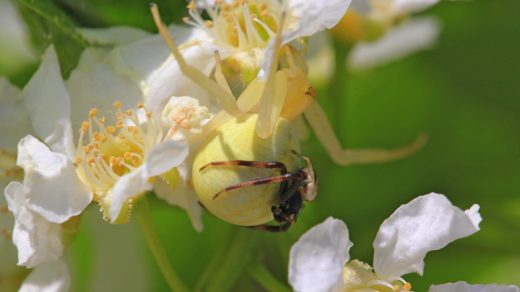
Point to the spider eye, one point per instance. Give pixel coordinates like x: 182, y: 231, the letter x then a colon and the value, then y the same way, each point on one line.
x: 237, y: 140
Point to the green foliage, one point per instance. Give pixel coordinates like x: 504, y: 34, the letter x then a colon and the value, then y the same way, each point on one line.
x: 51, y: 26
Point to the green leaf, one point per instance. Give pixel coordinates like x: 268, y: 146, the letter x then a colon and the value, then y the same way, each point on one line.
x: 49, y: 25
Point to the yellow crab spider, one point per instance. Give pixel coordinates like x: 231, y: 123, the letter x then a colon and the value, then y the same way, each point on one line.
x: 284, y: 93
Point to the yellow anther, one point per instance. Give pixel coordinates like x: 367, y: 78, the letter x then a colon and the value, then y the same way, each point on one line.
x: 192, y: 6
x: 120, y: 125
x: 396, y: 288
x: 208, y: 23
x: 407, y: 286
x: 127, y: 156
x: 93, y: 112
x: 140, y: 105
x: 98, y: 137
x: 130, y: 113
x: 133, y: 129
x: 102, y: 120
x: 111, y: 129
x: 91, y: 161
x: 84, y: 127
x: 117, y: 104
x: 86, y: 149
x: 148, y: 115
x: 78, y: 160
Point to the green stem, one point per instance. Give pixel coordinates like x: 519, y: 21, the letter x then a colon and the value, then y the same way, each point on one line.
x: 154, y: 244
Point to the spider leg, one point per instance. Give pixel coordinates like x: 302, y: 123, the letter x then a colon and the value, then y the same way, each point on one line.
x: 272, y: 228
x: 261, y: 181
x: 248, y: 163
x: 323, y: 130
x: 273, y: 97
x: 225, y: 97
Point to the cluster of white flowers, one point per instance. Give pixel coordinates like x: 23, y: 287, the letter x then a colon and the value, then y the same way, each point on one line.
x: 130, y: 117
x: 320, y: 261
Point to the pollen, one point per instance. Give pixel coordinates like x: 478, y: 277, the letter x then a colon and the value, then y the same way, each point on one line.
x: 241, y: 24
x: 93, y: 112
x: 407, y: 286
x: 106, y: 152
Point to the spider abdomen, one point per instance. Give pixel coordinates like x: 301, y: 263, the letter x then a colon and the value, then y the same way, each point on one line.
x: 237, y: 140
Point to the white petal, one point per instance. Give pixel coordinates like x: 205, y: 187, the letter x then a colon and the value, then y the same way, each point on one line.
x: 465, y: 287
x: 412, y: 36
x: 149, y: 63
x: 306, y: 18
x: 309, y: 17
x: 317, y: 259
x: 96, y: 83
x: 50, y: 277
x: 57, y: 198
x: 401, y: 7
x: 165, y: 156
x: 114, y: 35
x: 14, y: 118
x: 62, y: 140
x: 37, y: 240
x: 127, y: 187
x: 34, y: 156
x: 55, y: 191
x: 45, y: 96
x: 427, y: 223
x: 181, y: 195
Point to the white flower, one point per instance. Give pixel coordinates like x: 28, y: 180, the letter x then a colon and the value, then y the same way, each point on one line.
x: 49, y: 277
x: 319, y: 260
x: 465, y: 287
x: 249, y: 28
x: 384, y: 35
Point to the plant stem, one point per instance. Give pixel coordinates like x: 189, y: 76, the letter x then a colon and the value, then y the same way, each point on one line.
x: 154, y: 244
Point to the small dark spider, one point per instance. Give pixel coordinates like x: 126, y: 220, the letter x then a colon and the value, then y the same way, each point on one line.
x: 295, y: 188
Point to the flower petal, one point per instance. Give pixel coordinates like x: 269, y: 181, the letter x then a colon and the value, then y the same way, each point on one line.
x: 412, y: 36
x: 165, y: 156
x: 34, y: 156
x: 182, y: 195
x: 427, y: 223
x: 465, y: 287
x: 114, y: 35
x: 14, y: 118
x: 401, y: 7
x: 317, y: 259
x: 46, y: 97
x: 61, y: 140
x: 96, y: 83
x: 127, y: 187
x: 312, y: 17
x: 49, y: 277
x: 54, y: 189
x: 38, y: 241
x: 149, y: 63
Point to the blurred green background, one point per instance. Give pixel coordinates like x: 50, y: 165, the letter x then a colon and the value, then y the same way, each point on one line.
x: 464, y: 93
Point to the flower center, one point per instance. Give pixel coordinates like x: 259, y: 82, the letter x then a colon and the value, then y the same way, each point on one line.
x: 240, y: 24
x: 112, y: 151
x: 358, y: 276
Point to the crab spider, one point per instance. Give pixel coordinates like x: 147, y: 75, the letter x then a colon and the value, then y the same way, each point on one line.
x: 284, y: 93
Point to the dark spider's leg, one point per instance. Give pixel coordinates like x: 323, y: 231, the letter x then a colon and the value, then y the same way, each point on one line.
x: 262, y: 181
x: 272, y: 228
x: 248, y: 163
